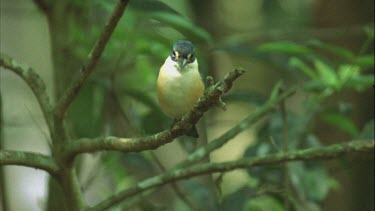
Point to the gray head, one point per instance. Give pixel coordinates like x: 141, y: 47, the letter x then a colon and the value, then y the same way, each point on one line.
x: 183, y: 53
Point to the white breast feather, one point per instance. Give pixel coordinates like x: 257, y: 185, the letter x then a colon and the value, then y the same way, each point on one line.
x: 177, y: 86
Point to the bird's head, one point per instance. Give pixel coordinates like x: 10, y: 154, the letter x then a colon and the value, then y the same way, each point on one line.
x: 183, y: 53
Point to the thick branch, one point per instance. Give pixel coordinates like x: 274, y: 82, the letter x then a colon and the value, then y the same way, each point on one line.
x: 208, y: 100
x: 94, y: 56
x: 29, y: 159
x: 34, y: 81
x: 322, y: 153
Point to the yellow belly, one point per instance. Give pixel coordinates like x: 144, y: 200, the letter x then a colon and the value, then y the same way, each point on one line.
x: 178, y: 92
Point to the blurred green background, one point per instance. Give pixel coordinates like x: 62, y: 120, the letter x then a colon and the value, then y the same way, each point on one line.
x: 323, y: 47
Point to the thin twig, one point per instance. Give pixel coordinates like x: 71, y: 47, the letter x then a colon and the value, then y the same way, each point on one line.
x: 318, y: 153
x: 34, y: 81
x: 28, y: 159
x: 94, y: 56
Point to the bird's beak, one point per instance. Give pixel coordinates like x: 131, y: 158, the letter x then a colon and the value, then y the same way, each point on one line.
x: 181, y: 62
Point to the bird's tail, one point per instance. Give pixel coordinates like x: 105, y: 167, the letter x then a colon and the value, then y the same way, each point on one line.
x: 193, y: 132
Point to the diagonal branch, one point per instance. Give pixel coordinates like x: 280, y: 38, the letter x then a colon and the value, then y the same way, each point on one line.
x: 208, y: 100
x: 275, y: 98
x: 94, y: 56
x: 34, y: 81
x: 321, y: 153
x: 29, y: 159
x: 260, y: 112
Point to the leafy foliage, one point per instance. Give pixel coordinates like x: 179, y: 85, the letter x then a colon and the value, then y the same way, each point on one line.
x: 310, y: 182
x: 148, y: 28
x: 122, y: 95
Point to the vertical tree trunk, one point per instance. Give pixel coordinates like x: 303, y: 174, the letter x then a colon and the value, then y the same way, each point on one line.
x: 64, y: 67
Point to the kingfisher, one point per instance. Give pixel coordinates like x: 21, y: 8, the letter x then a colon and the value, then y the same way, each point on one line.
x: 179, y: 84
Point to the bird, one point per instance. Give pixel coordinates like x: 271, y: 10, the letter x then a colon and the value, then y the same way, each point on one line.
x: 179, y: 83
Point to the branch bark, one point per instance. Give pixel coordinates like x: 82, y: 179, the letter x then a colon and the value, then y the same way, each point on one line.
x: 34, y: 81
x: 29, y: 159
x: 321, y: 153
x: 208, y: 100
x: 94, y: 56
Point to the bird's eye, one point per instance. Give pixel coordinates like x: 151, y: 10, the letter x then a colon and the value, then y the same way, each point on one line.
x: 175, y: 54
x: 190, y: 56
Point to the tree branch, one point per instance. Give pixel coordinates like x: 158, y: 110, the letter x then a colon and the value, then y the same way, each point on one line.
x: 29, y: 159
x: 275, y: 98
x: 208, y: 100
x: 321, y: 153
x: 94, y: 56
x: 34, y: 81
x: 260, y: 112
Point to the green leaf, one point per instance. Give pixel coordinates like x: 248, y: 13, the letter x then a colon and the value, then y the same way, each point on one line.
x: 263, y: 203
x: 327, y: 74
x: 300, y: 65
x: 284, y: 47
x: 348, y: 71
x: 163, y: 13
x: 341, y: 122
x: 150, y: 6
x: 276, y: 90
x: 183, y: 25
x: 365, y: 61
x: 332, y: 49
x: 361, y: 82
x: 315, y: 86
